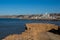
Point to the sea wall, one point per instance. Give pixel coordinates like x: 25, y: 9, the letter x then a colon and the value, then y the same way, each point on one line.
x: 35, y: 31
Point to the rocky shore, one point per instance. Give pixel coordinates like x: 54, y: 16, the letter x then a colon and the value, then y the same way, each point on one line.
x: 36, y: 31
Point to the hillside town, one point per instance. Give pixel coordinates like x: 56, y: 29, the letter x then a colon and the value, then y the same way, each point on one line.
x: 40, y: 16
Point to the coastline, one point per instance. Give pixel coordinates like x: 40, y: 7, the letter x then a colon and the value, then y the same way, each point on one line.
x: 36, y: 31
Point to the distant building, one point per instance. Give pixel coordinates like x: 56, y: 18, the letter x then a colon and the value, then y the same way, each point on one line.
x: 47, y: 16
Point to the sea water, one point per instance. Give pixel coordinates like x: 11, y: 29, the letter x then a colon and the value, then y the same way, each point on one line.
x: 16, y: 26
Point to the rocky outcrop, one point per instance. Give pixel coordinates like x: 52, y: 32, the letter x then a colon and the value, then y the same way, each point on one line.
x: 41, y: 27
x: 36, y: 31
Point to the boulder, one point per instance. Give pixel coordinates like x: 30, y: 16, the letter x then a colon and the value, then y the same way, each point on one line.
x: 41, y: 27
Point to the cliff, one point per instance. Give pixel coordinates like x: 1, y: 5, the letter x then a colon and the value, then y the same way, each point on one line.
x: 36, y: 31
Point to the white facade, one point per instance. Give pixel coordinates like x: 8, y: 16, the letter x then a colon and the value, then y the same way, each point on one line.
x: 47, y: 16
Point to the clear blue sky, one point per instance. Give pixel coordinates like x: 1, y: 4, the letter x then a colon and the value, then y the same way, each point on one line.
x: 16, y: 7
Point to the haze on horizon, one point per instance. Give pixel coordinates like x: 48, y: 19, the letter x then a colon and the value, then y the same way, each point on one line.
x: 21, y: 7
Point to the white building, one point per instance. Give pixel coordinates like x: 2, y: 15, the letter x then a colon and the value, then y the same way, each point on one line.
x: 47, y: 16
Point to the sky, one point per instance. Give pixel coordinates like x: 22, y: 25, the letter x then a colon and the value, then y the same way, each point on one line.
x: 26, y: 7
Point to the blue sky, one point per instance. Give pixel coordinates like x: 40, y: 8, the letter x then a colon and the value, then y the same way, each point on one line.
x: 23, y: 7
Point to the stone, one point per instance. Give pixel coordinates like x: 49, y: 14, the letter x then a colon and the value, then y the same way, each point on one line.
x: 35, y: 31
x: 41, y: 26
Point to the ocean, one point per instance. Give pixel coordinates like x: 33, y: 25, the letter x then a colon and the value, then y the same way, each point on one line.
x: 16, y: 26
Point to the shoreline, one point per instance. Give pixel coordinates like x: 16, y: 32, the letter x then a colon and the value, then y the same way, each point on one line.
x: 39, y: 31
x: 36, y: 19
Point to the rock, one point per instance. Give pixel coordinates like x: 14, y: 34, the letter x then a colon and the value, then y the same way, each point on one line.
x: 41, y: 26
x: 35, y: 31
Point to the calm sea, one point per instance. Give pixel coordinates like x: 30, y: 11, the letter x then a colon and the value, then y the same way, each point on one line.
x: 16, y: 26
